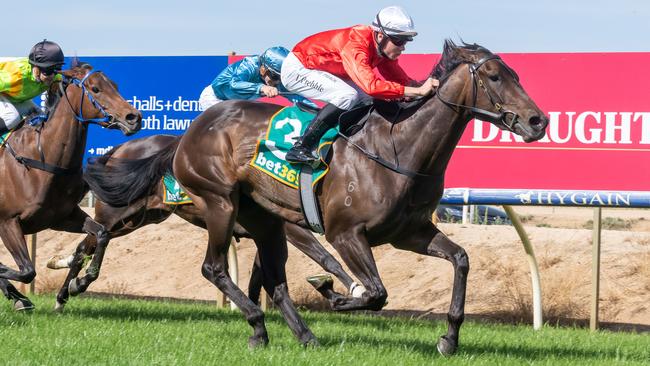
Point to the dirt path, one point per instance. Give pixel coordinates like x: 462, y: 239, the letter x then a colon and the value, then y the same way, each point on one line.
x: 164, y: 260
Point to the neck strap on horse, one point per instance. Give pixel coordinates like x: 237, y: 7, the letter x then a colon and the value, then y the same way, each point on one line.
x: 42, y: 165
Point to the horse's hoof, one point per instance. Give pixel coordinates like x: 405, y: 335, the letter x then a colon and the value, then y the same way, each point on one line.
x: 59, y: 307
x: 23, y: 305
x: 321, y: 281
x: 312, y: 342
x: 257, y: 342
x: 57, y: 262
x: 446, y: 347
x: 73, y: 287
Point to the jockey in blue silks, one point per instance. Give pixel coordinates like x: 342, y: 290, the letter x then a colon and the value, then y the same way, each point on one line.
x: 250, y: 78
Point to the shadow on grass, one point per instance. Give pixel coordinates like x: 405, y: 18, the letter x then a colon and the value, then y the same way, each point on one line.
x: 528, y: 353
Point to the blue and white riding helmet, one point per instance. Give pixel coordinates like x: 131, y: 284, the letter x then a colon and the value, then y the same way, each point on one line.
x: 272, y: 60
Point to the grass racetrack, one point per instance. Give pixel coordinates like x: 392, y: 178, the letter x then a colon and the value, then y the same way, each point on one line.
x: 127, y: 332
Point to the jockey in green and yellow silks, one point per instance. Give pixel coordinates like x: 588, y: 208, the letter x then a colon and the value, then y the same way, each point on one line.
x: 22, y: 79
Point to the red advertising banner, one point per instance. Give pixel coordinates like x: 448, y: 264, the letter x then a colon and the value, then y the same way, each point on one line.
x: 598, y: 136
x: 599, y: 132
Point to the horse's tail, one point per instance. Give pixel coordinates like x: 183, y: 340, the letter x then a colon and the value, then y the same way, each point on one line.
x: 126, y: 180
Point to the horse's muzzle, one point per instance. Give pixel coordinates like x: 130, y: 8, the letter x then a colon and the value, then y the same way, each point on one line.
x: 531, y: 130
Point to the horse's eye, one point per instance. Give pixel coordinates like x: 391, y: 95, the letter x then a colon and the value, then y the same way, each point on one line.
x: 494, y: 77
x: 95, y: 89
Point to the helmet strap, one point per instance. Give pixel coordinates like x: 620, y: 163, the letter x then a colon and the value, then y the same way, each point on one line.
x: 381, y: 44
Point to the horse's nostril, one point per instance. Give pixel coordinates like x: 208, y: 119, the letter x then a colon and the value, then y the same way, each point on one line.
x: 536, y: 122
x: 132, y: 117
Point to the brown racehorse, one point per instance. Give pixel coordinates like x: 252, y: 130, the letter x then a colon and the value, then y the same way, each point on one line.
x: 41, y: 170
x: 151, y: 209
x: 383, y: 186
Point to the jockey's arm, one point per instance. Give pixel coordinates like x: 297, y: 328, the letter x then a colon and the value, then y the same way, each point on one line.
x: 423, y: 90
x: 295, y: 98
x: 244, y: 79
x: 356, y: 63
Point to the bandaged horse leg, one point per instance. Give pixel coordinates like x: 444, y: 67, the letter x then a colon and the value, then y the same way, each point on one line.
x: 79, y: 285
x: 76, y: 263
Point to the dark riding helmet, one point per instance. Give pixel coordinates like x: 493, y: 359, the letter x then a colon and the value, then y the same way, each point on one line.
x: 272, y: 60
x: 47, y: 55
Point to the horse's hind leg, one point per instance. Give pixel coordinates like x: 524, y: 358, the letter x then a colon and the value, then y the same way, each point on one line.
x: 428, y: 240
x: 268, y: 233
x: 305, y: 241
x: 85, y: 248
x: 256, y: 281
x: 80, y: 284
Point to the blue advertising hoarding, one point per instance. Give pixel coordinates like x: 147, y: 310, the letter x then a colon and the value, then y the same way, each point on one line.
x: 165, y: 89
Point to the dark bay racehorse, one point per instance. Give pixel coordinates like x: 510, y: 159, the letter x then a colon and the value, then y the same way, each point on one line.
x: 135, y: 212
x: 365, y: 202
x: 40, y: 168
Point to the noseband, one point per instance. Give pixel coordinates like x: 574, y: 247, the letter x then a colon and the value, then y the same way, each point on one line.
x: 106, y: 117
x: 477, y: 83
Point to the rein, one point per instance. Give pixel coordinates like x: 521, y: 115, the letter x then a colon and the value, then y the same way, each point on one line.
x: 41, y: 164
x: 483, y: 114
x: 480, y: 113
x: 383, y: 162
x: 80, y: 83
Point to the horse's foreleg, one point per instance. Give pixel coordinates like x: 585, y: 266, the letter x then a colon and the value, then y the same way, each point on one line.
x: 428, y: 240
x: 272, y: 252
x: 21, y: 302
x: 355, y: 251
x: 14, y: 240
x: 219, y: 216
x: 305, y: 241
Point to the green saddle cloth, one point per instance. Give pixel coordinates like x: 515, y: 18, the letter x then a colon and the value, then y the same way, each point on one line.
x: 284, y: 129
x: 173, y: 192
x: 4, y: 138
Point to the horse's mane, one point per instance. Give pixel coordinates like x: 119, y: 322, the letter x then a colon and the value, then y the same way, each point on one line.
x: 454, y: 55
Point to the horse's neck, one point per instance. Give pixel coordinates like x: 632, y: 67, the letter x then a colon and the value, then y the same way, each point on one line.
x: 425, y: 141
x: 64, y: 138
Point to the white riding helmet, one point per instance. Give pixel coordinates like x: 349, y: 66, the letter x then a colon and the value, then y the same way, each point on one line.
x: 393, y: 21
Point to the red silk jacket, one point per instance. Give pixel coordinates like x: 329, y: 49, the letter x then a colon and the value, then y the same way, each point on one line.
x: 351, y: 54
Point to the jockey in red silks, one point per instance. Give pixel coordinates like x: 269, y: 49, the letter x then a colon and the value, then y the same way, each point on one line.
x: 336, y: 67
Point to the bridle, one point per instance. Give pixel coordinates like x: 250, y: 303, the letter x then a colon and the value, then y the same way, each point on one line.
x: 106, y: 117
x: 495, y: 100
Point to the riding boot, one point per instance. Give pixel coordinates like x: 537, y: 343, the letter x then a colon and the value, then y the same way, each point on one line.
x: 302, y: 151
